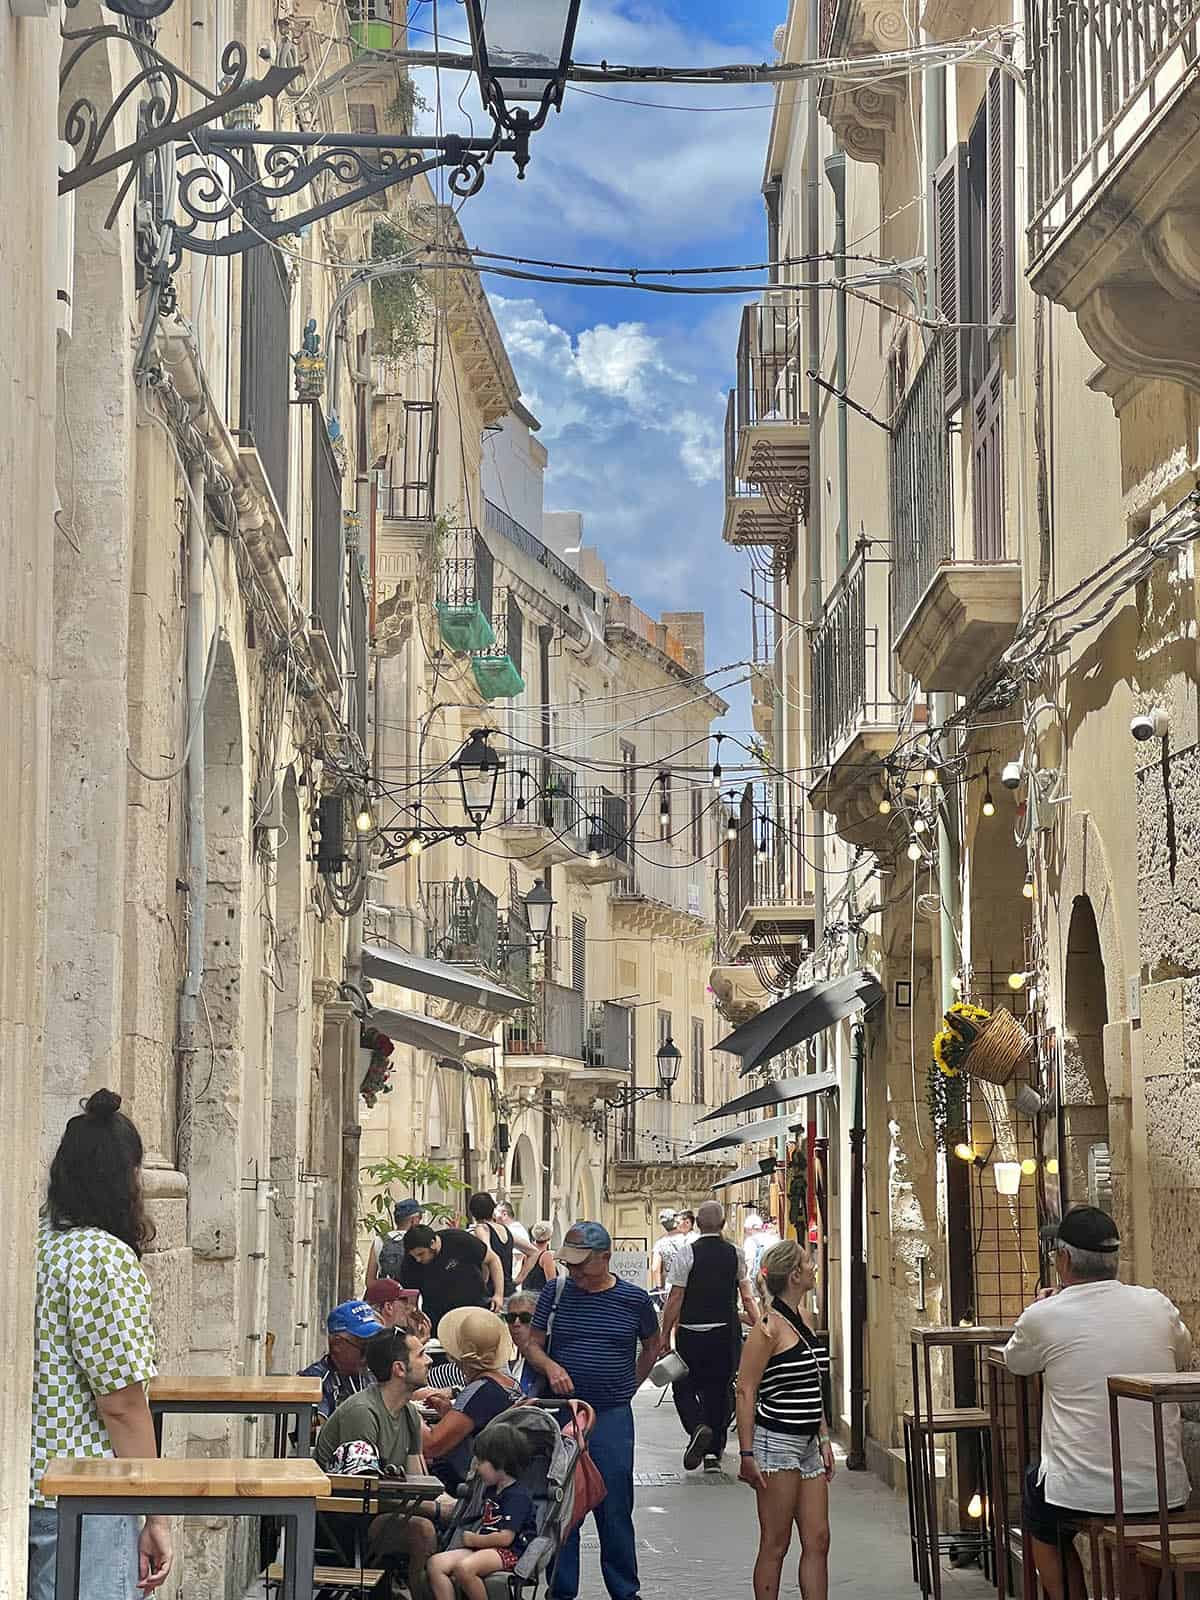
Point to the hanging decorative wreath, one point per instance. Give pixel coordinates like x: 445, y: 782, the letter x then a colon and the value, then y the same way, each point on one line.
x: 378, y: 1077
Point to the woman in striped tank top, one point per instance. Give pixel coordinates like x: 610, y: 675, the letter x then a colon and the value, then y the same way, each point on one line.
x: 786, y: 1454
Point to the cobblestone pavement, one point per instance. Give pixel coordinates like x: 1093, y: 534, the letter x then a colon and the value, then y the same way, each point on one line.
x: 697, y: 1534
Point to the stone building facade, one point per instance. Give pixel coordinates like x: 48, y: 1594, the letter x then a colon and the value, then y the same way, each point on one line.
x: 990, y: 545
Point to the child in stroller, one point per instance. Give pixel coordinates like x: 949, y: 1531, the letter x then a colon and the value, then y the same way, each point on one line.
x: 548, y: 1478
x: 495, y: 1539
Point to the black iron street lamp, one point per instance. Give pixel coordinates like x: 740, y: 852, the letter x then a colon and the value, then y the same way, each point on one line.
x: 539, y: 907
x: 479, y: 768
x: 668, y: 1060
x: 522, y: 51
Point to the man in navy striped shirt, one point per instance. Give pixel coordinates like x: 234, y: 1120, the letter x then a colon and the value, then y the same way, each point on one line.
x: 584, y: 1340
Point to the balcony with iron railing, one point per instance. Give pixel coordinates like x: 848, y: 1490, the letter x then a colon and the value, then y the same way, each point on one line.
x: 625, y: 621
x: 509, y: 529
x: 328, y: 591
x: 765, y: 603
x: 769, y: 887
x: 1113, y: 95
x: 552, y: 1025
x: 602, y: 836
x: 955, y: 594
x: 755, y: 513
x: 656, y: 1131
x: 769, y: 416
x: 669, y: 888
x: 264, y: 423
x: 854, y: 713
x: 540, y: 817
x: 461, y: 924
x: 407, y: 492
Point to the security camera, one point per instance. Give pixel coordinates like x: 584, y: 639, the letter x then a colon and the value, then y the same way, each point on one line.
x: 1012, y: 775
x: 1152, y: 724
x: 266, y: 51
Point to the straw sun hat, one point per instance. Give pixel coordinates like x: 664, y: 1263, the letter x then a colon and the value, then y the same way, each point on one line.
x: 476, y: 1338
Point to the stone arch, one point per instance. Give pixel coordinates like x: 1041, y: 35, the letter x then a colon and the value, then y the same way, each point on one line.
x: 290, y: 964
x: 1084, y: 1085
x: 1086, y: 873
x: 583, y: 1192
x: 523, y: 1181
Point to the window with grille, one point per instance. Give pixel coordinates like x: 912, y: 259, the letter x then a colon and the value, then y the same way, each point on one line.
x: 363, y: 117
x: 698, y: 1092
x: 579, y: 953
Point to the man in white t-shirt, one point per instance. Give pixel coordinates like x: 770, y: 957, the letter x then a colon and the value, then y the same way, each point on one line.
x: 1077, y: 1337
x: 663, y: 1253
x: 504, y: 1214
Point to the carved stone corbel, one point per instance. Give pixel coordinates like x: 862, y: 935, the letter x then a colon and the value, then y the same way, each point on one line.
x: 1139, y: 328
x: 864, y: 115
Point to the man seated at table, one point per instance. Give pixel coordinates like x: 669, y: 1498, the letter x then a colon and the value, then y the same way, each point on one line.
x: 1077, y: 1336
x: 342, y: 1369
x: 398, y: 1308
x: 378, y: 1432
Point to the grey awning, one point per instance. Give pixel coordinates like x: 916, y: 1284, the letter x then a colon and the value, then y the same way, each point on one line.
x: 742, y: 1175
x: 748, y: 1133
x: 776, y: 1094
x: 389, y: 964
x: 427, y: 1033
x: 798, y: 1017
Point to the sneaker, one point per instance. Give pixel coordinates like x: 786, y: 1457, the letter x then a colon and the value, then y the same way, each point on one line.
x: 698, y: 1447
x: 712, y: 1463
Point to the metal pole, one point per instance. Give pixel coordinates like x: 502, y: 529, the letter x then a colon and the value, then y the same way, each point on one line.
x: 835, y: 171
x: 194, y: 672
x: 856, y: 1461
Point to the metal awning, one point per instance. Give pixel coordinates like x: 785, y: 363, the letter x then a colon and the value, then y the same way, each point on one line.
x: 389, y: 964
x: 776, y: 1094
x: 427, y: 1033
x: 798, y: 1017
x: 748, y: 1133
x: 742, y: 1175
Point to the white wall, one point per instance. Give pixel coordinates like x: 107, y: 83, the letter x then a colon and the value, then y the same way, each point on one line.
x: 513, y: 470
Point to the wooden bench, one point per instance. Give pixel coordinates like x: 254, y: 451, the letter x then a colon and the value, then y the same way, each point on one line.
x: 275, y: 1396
x: 352, y: 1494
x: 347, y: 1580
x: 103, y: 1486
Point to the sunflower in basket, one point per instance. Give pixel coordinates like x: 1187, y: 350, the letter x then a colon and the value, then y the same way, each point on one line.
x: 960, y: 1028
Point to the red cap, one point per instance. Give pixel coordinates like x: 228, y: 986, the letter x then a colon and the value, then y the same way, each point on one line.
x: 384, y: 1290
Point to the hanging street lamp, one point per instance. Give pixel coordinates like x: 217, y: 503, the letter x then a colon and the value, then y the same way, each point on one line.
x: 539, y: 906
x: 668, y: 1059
x: 478, y: 768
x: 522, y: 51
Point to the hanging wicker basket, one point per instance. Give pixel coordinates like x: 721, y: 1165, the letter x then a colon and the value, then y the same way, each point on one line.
x: 1002, y: 1046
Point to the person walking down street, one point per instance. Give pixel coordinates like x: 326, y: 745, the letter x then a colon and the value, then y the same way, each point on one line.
x: 662, y: 1255
x: 506, y: 1215
x: 481, y: 1344
x: 707, y: 1278
x: 387, y: 1255
x: 498, y: 1238
x: 540, y: 1267
x: 585, y: 1342
x: 685, y: 1226
x: 786, y: 1453
x: 451, y: 1268
x: 93, y: 1348
x: 343, y: 1369
x: 1078, y: 1336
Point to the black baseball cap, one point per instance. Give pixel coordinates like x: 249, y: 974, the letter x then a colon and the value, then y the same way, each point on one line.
x: 1085, y: 1227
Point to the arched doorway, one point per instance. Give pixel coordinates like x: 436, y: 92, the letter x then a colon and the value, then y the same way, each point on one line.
x: 1085, y: 1156
x: 522, y: 1181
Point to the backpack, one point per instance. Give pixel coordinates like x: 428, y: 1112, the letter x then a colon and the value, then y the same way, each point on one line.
x: 391, y: 1256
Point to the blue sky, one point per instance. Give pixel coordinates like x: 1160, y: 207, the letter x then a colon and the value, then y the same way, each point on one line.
x: 630, y: 387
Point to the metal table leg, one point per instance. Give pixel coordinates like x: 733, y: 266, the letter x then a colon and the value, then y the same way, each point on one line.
x: 66, y: 1569
x: 304, y: 1430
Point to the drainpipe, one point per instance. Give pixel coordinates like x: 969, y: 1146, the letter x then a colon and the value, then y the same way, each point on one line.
x: 197, y: 872
x: 835, y: 171
x: 856, y: 1461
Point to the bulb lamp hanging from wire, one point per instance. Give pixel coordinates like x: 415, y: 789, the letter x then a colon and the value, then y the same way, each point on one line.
x: 1027, y: 888
x: 664, y: 802
x: 716, y: 771
x: 731, y: 828
x: 989, y: 805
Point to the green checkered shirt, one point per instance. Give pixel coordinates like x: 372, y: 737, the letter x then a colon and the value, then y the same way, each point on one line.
x: 92, y: 1336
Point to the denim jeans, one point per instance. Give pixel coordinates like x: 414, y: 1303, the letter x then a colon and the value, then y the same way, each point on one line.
x: 611, y: 1446
x: 108, y: 1559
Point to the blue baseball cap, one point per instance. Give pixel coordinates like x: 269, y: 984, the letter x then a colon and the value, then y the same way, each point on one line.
x: 582, y: 1238
x: 407, y: 1208
x: 355, y: 1317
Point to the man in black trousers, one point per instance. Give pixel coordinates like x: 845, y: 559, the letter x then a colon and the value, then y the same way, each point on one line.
x: 707, y: 1278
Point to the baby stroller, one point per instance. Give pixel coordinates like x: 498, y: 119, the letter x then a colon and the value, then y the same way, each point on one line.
x: 549, y: 1480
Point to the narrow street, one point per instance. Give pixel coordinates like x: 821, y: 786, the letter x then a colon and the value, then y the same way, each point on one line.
x: 697, y: 1535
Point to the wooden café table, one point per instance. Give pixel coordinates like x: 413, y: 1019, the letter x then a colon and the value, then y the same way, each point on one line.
x: 278, y: 1397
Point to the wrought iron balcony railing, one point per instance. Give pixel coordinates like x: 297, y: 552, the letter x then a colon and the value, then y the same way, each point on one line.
x: 607, y: 1044
x: 462, y: 923
x: 850, y: 678
x: 509, y: 528
x: 769, y: 380
x: 604, y: 815
x: 538, y: 793
x: 766, y: 861
x: 465, y: 573
x: 328, y: 563
x: 667, y: 875
x: 553, y: 1025
x: 922, y: 538
x: 1097, y: 75
x: 408, y: 494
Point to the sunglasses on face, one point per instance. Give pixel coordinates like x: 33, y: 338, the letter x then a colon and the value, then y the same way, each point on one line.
x: 518, y: 1316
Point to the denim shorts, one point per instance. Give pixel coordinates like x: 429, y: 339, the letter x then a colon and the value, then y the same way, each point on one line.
x: 788, y: 1452
x: 108, y: 1559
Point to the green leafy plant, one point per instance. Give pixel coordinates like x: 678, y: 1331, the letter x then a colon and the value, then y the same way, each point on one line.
x: 398, y: 301
x: 408, y: 101
x: 398, y: 1178
x: 945, y: 1097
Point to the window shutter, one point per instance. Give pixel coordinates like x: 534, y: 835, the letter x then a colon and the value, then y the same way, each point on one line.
x: 950, y: 269
x: 515, y: 633
x: 1001, y: 235
x: 578, y: 953
x: 987, y: 456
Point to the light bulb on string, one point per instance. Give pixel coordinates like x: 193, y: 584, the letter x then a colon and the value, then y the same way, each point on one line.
x: 1027, y: 888
x: 364, y: 821
x: 1052, y: 1166
x: 920, y: 825
x: 989, y: 805
x: 1029, y: 1166
x: 914, y: 849
x: 885, y: 807
x: 929, y: 776
x: 1017, y: 981
x: 415, y: 845
x: 716, y: 771
x: 975, y: 1506
x: 731, y: 829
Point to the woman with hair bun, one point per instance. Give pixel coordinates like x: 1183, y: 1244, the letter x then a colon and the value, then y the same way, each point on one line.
x: 786, y: 1453
x: 93, y: 1348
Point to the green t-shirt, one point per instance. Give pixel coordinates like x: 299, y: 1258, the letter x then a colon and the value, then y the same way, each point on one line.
x: 364, y: 1419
